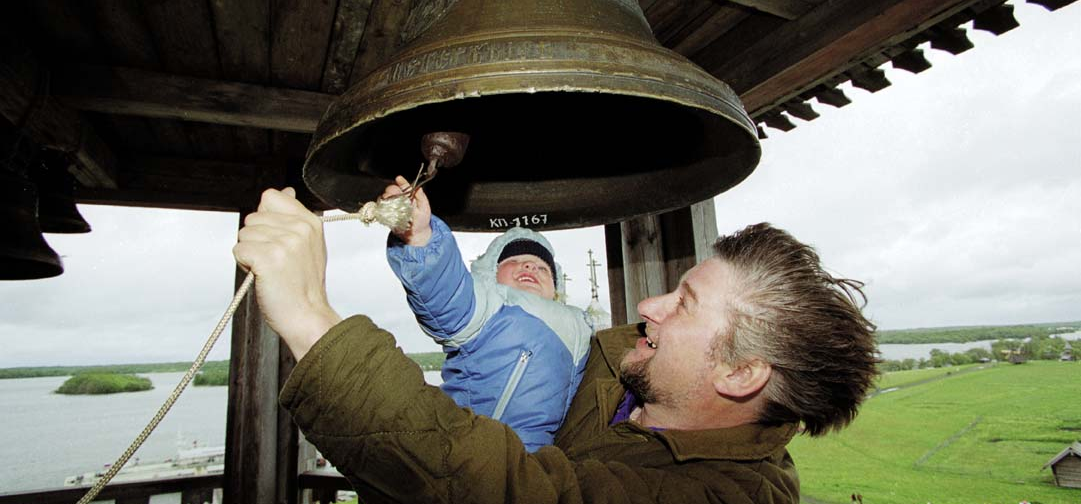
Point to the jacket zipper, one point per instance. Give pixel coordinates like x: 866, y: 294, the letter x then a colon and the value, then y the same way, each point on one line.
x: 512, y: 384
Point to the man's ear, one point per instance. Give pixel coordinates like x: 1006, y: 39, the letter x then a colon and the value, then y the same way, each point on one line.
x: 743, y: 379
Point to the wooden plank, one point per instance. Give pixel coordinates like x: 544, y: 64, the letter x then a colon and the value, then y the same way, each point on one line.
x: 643, y: 262
x: 181, y: 183
x: 349, y: 25
x: 124, y: 33
x: 701, y: 33
x: 242, y: 32
x: 381, y: 38
x: 824, y: 42
x: 673, y: 27
x: 617, y: 294
x: 660, y: 12
x: 737, y: 40
x: 659, y: 249
x: 704, y: 225
x: 149, y: 94
x: 288, y: 438
x: 677, y: 246
x: 182, y: 32
x: 66, y: 32
x: 252, y: 413
x: 299, y: 40
x: 787, y: 9
x: 128, y: 42
x: 26, y: 104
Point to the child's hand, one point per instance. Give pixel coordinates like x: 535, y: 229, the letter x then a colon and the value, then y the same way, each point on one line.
x: 420, y: 226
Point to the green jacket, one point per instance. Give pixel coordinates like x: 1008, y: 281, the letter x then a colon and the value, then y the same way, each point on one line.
x: 365, y: 405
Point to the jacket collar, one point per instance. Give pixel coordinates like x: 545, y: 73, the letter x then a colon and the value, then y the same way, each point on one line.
x: 745, y: 442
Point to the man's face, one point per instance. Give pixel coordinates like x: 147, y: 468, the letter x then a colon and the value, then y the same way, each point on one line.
x: 529, y: 273
x: 681, y: 325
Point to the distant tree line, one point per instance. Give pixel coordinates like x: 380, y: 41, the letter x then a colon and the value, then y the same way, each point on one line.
x: 1038, y: 347
x: 979, y: 333
x: 43, y: 371
x: 212, y: 372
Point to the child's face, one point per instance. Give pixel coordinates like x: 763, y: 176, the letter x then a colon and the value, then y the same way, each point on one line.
x: 529, y: 273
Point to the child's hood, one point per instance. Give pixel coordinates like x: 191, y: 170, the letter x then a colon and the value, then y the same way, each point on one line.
x: 484, y: 268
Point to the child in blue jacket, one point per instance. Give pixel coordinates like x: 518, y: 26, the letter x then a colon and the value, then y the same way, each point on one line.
x: 513, y: 352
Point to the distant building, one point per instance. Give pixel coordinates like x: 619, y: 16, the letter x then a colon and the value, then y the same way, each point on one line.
x: 1013, y: 356
x: 1067, y: 352
x: 601, y: 319
x: 1066, y: 466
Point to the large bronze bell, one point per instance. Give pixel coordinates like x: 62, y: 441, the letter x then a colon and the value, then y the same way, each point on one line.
x: 24, y: 254
x: 576, y: 116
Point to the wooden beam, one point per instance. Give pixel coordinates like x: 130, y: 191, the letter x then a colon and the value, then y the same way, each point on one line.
x: 115, y: 90
x: 187, y: 184
x: 643, y: 262
x: 252, y: 414
x: 824, y: 42
x: 617, y: 292
x: 788, y: 9
x: 26, y: 102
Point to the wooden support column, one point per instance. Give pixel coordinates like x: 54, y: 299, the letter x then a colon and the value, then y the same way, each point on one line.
x: 252, y: 415
x: 613, y: 239
x: 260, y: 439
x: 656, y: 251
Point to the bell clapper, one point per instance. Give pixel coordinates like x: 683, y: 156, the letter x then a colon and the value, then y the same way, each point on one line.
x: 440, y: 149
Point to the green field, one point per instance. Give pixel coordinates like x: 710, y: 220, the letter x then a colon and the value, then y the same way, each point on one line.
x: 976, y: 435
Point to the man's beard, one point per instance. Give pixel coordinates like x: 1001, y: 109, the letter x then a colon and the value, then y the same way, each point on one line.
x: 636, y: 377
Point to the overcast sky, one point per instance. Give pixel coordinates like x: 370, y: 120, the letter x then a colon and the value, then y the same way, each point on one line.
x: 955, y: 194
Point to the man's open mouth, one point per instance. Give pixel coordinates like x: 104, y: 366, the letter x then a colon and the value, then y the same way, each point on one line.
x: 650, y: 343
x: 526, y: 278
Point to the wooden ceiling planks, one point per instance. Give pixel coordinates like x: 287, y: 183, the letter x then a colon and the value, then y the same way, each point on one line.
x: 712, y: 24
x: 680, y: 20
x: 300, y: 36
x: 779, y: 54
x: 127, y: 41
x: 183, y: 32
x: 242, y: 32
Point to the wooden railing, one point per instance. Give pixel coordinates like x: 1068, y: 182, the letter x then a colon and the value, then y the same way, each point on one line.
x: 322, y: 483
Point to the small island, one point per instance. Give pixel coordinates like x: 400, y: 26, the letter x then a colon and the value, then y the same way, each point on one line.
x: 104, y: 383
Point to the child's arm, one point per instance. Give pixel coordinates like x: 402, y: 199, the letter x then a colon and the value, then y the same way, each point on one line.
x: 426, y: 260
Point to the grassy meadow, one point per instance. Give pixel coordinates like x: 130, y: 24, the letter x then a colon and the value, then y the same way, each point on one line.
x: 979, y: 434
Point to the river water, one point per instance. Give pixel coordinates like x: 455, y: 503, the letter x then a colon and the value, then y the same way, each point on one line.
x: 46, y: 437
x: 923, y: 350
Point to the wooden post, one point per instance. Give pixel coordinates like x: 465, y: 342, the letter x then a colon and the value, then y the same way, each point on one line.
x: 656, y: 251
x: 613, y: 239
x: 256, y: 438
